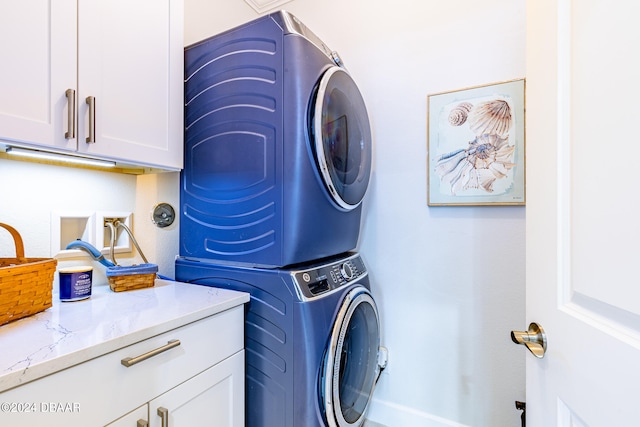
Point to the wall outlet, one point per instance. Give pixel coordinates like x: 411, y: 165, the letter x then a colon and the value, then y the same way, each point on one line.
x: 103, y: 232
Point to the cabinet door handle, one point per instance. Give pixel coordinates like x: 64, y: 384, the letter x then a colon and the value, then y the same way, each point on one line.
x: 130, y: 361
x: 142, y: 423
x: 163, y: 413
x: 91, y: 102
x: 71, y: 114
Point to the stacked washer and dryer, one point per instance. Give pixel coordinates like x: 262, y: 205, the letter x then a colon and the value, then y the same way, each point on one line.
x: 277, y: 162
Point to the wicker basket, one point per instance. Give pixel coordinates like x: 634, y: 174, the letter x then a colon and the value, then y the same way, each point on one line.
x: 25, y: 283
x: 130, y: 283
x: 133, y: 277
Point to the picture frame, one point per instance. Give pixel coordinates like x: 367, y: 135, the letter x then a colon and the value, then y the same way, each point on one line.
x: 476, y: 146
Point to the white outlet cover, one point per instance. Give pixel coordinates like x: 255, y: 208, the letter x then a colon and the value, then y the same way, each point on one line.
x: 68, y: 226
x: 265, y: 5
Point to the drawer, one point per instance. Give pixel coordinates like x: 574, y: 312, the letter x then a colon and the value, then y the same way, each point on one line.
x: 100, y: 390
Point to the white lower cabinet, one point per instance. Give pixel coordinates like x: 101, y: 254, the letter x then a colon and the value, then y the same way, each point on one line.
x: 212, y: 398
x: 137, y: 418
x: 199, y: 381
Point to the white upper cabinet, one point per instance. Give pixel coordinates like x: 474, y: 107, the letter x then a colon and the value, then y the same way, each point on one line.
x: 39, y: 64
x: 130, y: 61
x: 123, y: 61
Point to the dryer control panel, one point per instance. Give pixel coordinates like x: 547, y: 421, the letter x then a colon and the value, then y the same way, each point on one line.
x: 323, y: 278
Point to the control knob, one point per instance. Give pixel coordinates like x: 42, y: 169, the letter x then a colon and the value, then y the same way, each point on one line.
x: 346, y: 271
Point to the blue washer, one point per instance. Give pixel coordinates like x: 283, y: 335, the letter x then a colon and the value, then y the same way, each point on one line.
x: 312, y: 339
x: 277, y: 147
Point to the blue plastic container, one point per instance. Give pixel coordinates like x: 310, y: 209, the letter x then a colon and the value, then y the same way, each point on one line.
x: 75, y: 283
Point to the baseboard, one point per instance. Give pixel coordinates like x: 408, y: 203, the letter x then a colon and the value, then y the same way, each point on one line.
x: 383, y: 414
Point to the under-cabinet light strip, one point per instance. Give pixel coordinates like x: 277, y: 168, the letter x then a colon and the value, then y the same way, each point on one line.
x: 44, y: 155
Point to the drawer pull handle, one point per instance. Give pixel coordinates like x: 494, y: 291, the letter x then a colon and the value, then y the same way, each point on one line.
x: 91, y: 102
x: 130, y: 361
x: 163, y: 413
x: 71, y: 114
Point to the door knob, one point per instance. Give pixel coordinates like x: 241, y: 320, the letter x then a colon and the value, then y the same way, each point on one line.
x: 534, y: 339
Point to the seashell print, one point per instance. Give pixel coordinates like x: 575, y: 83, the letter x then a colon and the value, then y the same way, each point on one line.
x: 489, y: 157
x: 458, y: 115
x: 491, y: 117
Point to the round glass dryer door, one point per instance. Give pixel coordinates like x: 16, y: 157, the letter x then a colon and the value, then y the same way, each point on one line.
x: 351, y: 365
x: 342, y: 138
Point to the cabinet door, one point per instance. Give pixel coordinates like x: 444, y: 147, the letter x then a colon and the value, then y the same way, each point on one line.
x: 38, y: 52
x: 130, y: 61
x: 136, y: 418
x: 213, y: 398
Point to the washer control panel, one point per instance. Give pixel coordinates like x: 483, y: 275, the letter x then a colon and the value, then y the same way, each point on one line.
x: 323, y: 278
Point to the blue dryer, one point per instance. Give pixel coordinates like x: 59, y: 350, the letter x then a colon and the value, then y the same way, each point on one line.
x: 312, y: 340
x: 277, y: 147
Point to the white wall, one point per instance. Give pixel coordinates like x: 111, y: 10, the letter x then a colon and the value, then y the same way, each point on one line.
x: 30, y: 192
x: 449, y: 281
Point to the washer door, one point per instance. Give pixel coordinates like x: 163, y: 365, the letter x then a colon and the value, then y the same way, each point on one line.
x: 342, y: 138
x: 351, y: 366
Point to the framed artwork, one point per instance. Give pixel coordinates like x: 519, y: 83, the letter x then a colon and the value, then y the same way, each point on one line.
x: 476, y: 146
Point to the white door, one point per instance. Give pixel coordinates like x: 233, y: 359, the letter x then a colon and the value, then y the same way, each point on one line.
x: 583, y: 219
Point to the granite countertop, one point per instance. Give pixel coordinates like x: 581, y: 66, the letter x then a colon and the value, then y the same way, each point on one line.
x: 70, y: 333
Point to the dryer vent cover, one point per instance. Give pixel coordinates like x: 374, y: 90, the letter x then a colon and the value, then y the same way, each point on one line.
x: 265, y: 5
